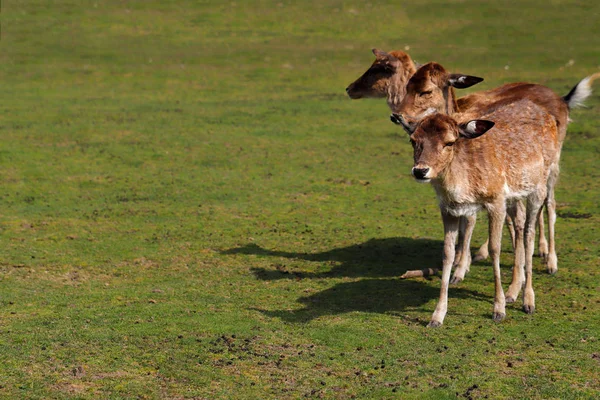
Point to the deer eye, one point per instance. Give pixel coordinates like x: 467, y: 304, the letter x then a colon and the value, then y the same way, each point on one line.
x: 425, y: 93
x: 449, y: 144
x: 384, y: 67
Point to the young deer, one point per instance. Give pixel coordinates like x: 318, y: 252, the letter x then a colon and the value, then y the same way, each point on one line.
x: 431, y: 90
x: 387, y: 78
x: 470, y: 169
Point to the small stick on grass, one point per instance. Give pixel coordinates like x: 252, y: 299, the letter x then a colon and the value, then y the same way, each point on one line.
x: 420, y: 273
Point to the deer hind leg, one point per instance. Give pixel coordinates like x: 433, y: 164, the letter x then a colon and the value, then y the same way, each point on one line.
x: 450, y: 234
x: 463, y: 263
x: 516, y: 210
x: 511, y: 229
x: 483, y: 251
x: 551, y: 259
x: 497, y: 214
x: 534, y: 208
x: 542, y: 242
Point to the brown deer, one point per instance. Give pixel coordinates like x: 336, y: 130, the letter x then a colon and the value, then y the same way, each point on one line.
x: 431, y: 90
x: 387, y: 78
x: 471, y: 169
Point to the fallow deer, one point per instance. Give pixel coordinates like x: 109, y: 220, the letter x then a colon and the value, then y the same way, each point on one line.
x: 471, y: 169
x: 387, y: 78
x: 431, y: 90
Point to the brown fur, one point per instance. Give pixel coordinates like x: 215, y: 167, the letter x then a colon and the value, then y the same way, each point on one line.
x: 380, y: 81
x: 386, y: 78
x: 426, y: 88
x: 434, y: 77
x: 543, y: 96
x: 429, y: 90
x: 513, y: 161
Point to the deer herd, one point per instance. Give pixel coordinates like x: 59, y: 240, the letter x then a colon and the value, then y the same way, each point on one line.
x: 497, y: 150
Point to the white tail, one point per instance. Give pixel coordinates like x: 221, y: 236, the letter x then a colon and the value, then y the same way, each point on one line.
x: 581, y: 91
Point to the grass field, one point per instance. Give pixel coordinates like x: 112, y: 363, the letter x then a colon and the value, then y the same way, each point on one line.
x: 192, y: 208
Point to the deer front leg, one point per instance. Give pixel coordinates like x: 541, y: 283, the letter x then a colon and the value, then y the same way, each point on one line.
x: 497, y: 214
x: 464, y: 263
x: 462, y: 227
x: 450, y: 234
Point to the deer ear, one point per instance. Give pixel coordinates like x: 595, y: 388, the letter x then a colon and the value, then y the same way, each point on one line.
x: 380, y: 54
x: 461, y: 81
x: 475, y: 128
x: 386, y: 58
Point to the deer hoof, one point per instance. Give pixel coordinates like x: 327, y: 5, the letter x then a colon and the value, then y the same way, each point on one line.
x: 434, y: 324
x: 455, y: 280
x: 497, y: 317
x: 528, y: 309
x: 479, y: 257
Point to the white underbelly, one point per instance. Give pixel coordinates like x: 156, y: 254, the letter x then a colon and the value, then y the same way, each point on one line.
x: 511, y: 194
x: 460, y: 210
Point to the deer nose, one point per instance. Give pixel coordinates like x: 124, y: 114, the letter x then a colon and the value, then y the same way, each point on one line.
x: 420, y: 173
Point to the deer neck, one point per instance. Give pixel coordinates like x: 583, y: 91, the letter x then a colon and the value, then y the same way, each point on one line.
x: 450, y: 100
x: 396, y: 89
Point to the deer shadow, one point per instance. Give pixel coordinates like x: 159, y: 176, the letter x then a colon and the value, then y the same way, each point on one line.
x: 378, y: 262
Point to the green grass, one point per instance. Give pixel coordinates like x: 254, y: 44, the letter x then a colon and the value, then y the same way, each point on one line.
x: 192, y: 208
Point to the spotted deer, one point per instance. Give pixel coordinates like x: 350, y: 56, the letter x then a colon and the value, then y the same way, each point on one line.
x: 431, y: 90
x: 471, y: 170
